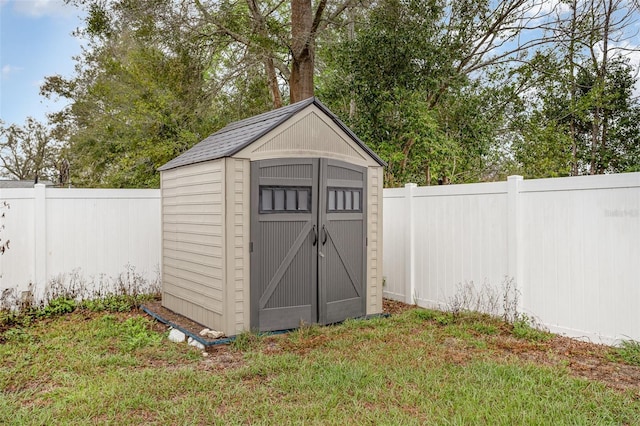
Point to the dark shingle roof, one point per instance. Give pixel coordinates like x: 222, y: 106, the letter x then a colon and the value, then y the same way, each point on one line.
x: 235, y: 136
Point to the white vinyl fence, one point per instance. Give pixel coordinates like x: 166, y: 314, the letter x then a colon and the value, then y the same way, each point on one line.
x: 78, y: 237
x: 570, y: 245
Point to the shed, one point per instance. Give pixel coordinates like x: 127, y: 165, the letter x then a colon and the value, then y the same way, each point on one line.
x: 273, y: 221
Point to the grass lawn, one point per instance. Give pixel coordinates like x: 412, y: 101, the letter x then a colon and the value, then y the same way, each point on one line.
x: 415, y: 367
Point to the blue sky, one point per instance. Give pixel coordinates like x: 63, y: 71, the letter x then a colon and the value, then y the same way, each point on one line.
x: 35, y: 42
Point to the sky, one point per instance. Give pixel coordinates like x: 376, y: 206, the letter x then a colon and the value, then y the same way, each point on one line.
x: 35, y: 42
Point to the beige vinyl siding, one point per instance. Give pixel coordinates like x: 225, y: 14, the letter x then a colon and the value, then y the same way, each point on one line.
x: 374, y: 235
x: 237, y: 245
x: 193, y: 217
x: 309, y: 134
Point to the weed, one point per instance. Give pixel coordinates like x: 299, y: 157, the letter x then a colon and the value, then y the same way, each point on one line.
x: 445, y: 319
x: 59, y: 306
x: 485, y: 328
x: 114, y: 303
x: 424, y: 314
x: 629, y: 352
x: 17, y: 335
x: 245, y: 341
x: 525, y: 328
x: 137, y: 333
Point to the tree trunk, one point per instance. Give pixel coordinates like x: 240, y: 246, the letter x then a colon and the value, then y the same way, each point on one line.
x: 272, y: 80
x: 302, y: 51
x: 301, y: 80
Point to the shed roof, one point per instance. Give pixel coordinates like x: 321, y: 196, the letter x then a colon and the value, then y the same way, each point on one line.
x: 237, y: 135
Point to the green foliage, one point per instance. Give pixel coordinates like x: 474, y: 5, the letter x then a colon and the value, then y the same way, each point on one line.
x: 524, y: 329
x: 57, y: 307
x: 413, y: 104
x: 137, y: 333
x: 114, y: 303
x: 138, y: 100
x: 424, y: 314
x: 445, y: 92
x: 445, y: 318
x: 486, y: 328
x: 16, y: 335
x: 579, y: 122
x: 629, y: 352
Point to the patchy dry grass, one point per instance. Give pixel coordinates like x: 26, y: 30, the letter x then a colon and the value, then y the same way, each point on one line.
x: 414, y: 367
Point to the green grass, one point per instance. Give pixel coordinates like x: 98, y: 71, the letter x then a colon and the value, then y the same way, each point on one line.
x: 413, y: 368
x: 629, y: 351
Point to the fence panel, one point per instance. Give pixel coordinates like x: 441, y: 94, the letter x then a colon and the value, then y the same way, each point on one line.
x: 582, y: 245
x: 91, y: 236
x: 570, y: 245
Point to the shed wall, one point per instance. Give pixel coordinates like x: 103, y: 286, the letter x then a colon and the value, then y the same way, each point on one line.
x: 374, y: 245
x: 308, y: 134
x: 238, y: 235
x: 193, y: 235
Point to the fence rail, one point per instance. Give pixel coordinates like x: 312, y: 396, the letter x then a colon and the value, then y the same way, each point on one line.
x: 570, y: 245
x: 88, y: 235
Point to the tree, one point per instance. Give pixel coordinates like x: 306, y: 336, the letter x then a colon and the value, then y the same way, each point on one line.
x: 139, y: 97
x: 425, y: 100
x: 582, y: 98
x: 281, y: 36
x: 28, y: 152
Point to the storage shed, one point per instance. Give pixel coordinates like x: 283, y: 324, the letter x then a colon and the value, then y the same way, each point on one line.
x: 273, y: 221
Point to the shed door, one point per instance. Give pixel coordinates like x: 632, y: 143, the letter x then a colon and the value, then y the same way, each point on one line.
x: 308, y: 231
x: 284, y: 241
x: 342, y: 255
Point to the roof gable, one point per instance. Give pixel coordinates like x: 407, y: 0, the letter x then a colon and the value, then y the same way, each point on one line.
x: 237, y: 135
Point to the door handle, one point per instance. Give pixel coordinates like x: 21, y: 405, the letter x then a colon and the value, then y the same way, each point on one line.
x: 324, y: 235
x: 315, y: 235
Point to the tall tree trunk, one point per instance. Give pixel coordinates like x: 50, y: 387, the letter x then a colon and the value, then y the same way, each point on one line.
x: 272, y: 81
x: 302, y: 51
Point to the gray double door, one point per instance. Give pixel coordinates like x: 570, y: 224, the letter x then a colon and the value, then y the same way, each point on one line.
x: 308, y: 242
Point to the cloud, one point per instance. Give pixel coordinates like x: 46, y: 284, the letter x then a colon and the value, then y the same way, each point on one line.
x: 39, y: 8
x: 8, y: 70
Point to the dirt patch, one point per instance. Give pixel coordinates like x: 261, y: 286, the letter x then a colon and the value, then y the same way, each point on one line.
x: 587, y: 360
x: 582, y: 359
x: 181, y: 321
x: 394, y: 307
x: 389, y: 307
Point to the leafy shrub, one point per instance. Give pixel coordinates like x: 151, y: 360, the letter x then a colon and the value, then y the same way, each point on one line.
x: 113, y: 303
x: 58, y: 306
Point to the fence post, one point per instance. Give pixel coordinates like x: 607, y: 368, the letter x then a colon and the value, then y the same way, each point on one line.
x: 40, y: 236
x: 410, y: 250
x: 514, y: 235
